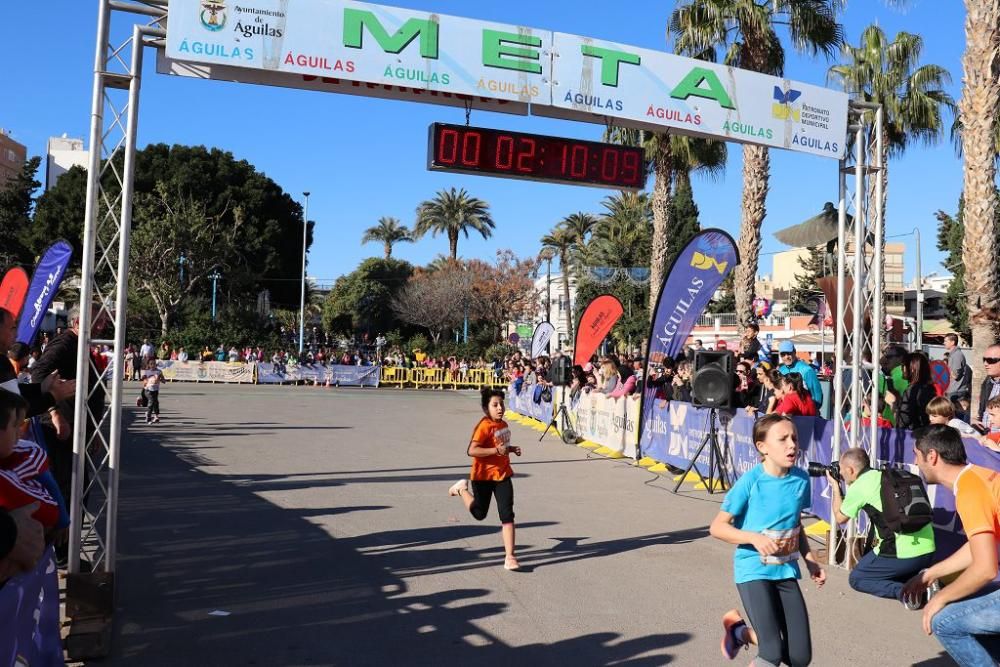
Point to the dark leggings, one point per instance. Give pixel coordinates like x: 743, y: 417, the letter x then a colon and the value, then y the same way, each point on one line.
x: 154, y: 404
x: 482, y: 494
x: 778, y: 615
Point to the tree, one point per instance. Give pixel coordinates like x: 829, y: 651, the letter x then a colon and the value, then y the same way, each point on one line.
x: 168, y: 225
x: 429, y: 299
x: 16, y: 203
x: 579, y: 225
x: 504, y: 291
x: 388, y: 232
x: 684, y: 213
x: 562, y: 242
x: 362, y: 300
x: 979, y: 107
x: 452, y: 212
x: 747, y: 31
x: 622, y: 237
x: 951, y: 234
x: 813, y: 265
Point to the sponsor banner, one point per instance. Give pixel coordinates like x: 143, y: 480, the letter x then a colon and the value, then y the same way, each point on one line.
x: 206, y: 371
x: 13, y: 289
x: 353, y: 376
x: 600, y: 81
x: 523, y: 403
x: 29, y: 616
x: 609, y: 422
x: 691, y: 282
x: 355, y: 41
x: 594, y: 325
x: 44, y: 285
x: 541, y: 338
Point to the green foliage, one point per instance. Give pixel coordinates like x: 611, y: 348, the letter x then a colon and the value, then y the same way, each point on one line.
x: 951, y: 234
x: 231, y: 327
x: 684, y: 218
x: 452, y: 212
x: 806, y: 285
x: 726, y: 301
x: 388, y: 232
x: 633, y: 326
x: 417, y: 342
x: 362, y: 300
x: 16, y: 203
x: 498, y: 351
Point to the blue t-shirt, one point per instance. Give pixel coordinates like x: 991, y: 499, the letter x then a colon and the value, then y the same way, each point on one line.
x: 761, y: 503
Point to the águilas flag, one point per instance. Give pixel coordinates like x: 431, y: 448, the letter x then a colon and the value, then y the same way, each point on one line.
x: 44, y: 285
x: 543, y: 332
x: 13, y: 289
x: 695, y: 275
x: 595, y: 323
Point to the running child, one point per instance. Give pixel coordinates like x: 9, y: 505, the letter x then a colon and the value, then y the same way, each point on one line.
x: 151, y: 385
x: 490, y: 450
x: 761, y: 515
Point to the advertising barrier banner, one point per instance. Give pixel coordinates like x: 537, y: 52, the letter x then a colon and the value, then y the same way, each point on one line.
x: 206, y: 371
x: 523, y: 403
x: 344, y: 376
x: 609, y: 422
x: 367, y: 49
x: 29, y: 616
x: 540, y: 339
x: 689, y: 285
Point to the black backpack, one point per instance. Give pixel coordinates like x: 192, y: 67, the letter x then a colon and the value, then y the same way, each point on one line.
x: 906, y: 508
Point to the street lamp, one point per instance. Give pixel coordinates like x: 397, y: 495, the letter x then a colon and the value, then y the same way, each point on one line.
x: 302, y: 299
x: 920, y: 296
x: 215, y: 277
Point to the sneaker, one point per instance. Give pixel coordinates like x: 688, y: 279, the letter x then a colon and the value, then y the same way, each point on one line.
x: 735, y: 629
x: 459, y: 486
x: 149, y: 421
x: 156, y: 420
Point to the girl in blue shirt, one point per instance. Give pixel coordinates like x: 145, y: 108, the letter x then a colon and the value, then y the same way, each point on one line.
x: 761, y: 515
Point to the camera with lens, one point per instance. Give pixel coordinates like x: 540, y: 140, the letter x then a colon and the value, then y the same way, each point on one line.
x: 816, y: 469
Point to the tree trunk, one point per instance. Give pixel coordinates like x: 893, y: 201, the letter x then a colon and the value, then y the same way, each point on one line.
x: 660, y: 203
x: 564, y: 265
x: 164, y: 323
x: 756, y: 175
x: 978, y: 108
x: 453, y: 243
x: 388, y: 250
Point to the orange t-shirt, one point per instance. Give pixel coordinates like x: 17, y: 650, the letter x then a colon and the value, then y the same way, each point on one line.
x: 977, y: 499
x: 491, y: 468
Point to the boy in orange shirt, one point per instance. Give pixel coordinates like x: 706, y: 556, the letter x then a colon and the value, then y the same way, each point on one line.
x: 962, y: 612
x: 490, y: 450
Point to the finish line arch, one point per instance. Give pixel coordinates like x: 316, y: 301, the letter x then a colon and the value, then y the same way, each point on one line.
x: 495, y: 67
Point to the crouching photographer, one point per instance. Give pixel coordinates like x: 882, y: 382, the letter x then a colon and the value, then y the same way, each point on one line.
x: 904, y: 533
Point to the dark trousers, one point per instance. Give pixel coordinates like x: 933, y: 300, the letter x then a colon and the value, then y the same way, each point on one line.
x: 778, y: 615
x: 484, y: 491
x: 154, y: 404
x: 884, y: 577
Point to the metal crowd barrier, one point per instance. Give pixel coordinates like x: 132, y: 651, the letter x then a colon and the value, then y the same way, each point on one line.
x: 440, y: 378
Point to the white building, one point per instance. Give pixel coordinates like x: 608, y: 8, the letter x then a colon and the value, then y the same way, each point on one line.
x: 63, y: 154
x: 557, y: 313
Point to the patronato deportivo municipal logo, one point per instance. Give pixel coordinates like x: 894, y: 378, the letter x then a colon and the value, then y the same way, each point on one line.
x: 213, y: 14
x: 706, y: 262
x: 782, y: 107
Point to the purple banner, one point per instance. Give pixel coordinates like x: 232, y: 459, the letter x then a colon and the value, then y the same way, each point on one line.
x: 29, y: 616
x: 523, y: 403
x: 691, y: 282
x: 44, y: 285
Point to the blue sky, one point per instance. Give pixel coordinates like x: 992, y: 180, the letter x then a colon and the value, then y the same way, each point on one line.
x: 365, y: 158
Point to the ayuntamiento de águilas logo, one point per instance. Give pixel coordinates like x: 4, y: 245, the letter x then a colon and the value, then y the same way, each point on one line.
x: 213, y: 14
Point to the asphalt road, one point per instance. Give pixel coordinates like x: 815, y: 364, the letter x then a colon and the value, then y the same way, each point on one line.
x: 308, y: 526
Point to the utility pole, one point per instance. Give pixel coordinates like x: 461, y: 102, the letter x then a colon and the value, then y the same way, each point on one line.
x: 215, y: 277
x: 920, y: 296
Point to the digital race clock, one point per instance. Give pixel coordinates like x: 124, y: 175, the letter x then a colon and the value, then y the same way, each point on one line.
x: 477, y: 150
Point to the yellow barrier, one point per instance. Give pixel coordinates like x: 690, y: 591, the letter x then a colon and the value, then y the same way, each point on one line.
x: 394, y: 376
x: 440, y: 378
x: 428, y: 377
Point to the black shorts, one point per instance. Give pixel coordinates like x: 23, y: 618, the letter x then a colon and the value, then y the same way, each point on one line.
x: 484, y: 491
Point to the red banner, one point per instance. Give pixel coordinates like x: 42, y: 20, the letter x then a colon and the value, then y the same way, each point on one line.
x: 13, y: 289
x: 595, y: 323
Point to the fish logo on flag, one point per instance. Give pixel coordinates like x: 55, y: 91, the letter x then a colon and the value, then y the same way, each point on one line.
x: 697, y: 272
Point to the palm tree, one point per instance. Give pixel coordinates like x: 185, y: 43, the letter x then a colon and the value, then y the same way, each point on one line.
x: 979, y: 107
x: 746, y: 30
x: 580, y: 225
x: 563, y: 242
x: 452, y: 212
x: 388, y: 232
x: 622, y: 237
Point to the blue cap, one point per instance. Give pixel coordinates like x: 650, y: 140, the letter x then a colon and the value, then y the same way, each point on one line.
x: 786, y: 346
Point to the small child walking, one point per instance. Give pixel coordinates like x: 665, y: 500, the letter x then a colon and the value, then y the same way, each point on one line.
x: 491, y: 473
x: 151, y: 385
x: 761, y: 515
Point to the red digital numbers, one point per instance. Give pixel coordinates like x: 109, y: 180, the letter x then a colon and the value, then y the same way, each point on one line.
x: 480, y: 150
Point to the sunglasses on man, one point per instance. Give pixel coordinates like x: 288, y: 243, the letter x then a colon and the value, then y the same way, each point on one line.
x: 991, y: 360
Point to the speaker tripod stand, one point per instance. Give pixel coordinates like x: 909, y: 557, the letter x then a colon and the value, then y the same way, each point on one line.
x: 718, y: 458
x: 560, y: 411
